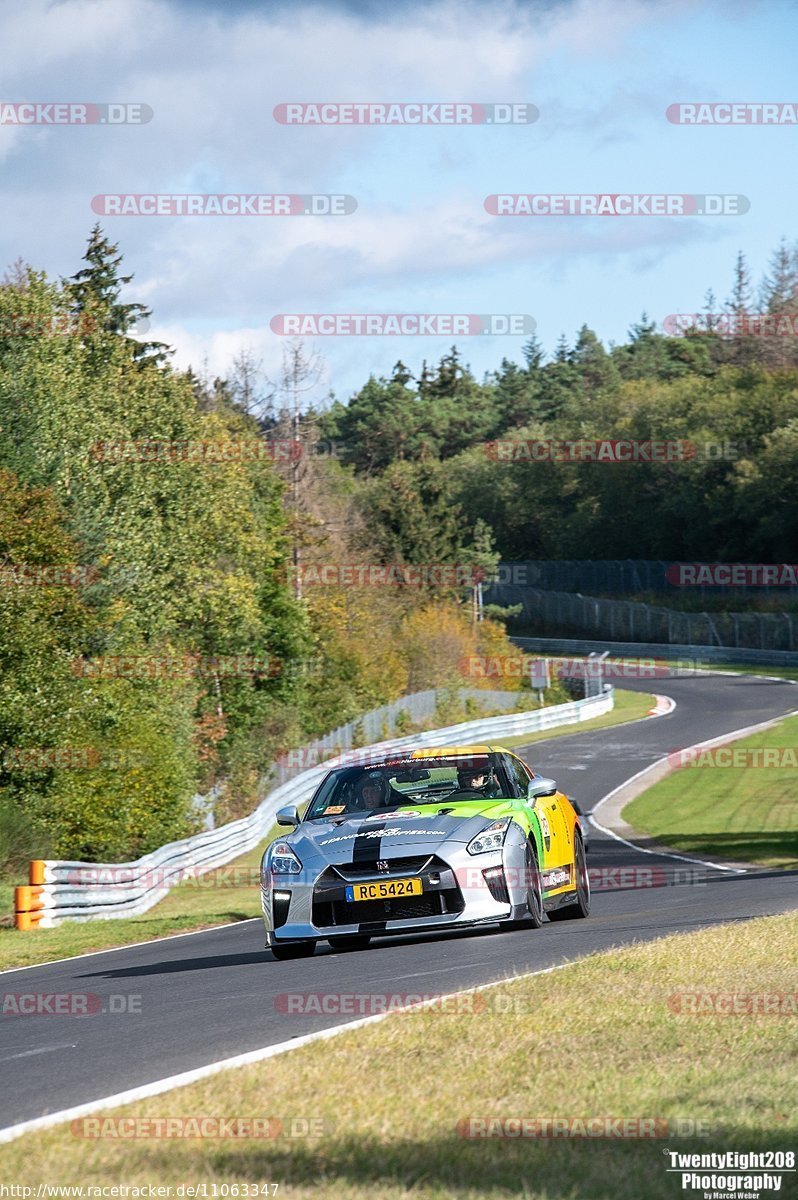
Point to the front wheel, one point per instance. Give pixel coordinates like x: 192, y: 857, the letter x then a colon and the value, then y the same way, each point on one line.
x: 581, y: 906
x: 350, y: 941
x: 534, y: 892
x: 286, y: 950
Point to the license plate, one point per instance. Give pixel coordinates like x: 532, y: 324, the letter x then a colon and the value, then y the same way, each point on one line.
x: 384, y: 889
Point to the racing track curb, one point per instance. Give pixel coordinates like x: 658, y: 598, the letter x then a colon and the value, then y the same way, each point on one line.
x: 614, y: 802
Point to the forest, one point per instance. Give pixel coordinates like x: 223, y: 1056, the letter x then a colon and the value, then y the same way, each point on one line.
x: 156, y: 526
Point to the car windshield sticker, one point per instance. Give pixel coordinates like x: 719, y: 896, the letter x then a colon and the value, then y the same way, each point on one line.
x: 333, y: 809
x: 402, y: 813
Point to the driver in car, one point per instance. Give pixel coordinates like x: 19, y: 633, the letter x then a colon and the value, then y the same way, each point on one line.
x: 372, y: 791
x: 476, y: 779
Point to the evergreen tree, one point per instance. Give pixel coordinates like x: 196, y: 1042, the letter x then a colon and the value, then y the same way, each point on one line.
x: 780, y: 285
x: 400, y: 374
x: 517, y: 396
x: 533, y: 354
x: 739, y: 302
x: 94, y: 292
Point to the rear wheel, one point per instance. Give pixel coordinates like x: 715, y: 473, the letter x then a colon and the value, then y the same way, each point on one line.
x: 285, y: 950
x: 581, y: 905
x: 350, y: 941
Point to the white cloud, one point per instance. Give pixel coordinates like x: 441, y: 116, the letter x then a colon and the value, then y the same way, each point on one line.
x: 213, y: 76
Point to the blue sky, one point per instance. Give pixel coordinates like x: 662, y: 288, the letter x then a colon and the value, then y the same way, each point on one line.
x: 602, y: 73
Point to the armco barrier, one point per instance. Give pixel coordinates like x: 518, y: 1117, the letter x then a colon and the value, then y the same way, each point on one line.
x: 80, y: 891
x: 725, y: 655
x: 569, y: 614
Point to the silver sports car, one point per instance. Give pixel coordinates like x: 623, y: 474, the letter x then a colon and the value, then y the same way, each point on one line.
x: 432, y: 839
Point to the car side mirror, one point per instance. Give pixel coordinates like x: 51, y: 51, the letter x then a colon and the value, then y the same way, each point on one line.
x: 540, y: 787
x: 288, y: 815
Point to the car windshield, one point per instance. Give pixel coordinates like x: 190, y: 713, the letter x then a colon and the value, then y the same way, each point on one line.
x: 392, y: 783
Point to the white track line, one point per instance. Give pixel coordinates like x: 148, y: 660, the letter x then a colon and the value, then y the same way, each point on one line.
x: 158, y: 1086
x: 731, y: 735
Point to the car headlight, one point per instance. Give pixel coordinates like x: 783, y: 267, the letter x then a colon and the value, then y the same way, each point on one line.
x: 491, y: 838
x: 282, y: 860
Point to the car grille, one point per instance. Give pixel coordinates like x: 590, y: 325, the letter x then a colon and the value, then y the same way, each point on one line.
x: 398, y: 866
x: 441, y: 895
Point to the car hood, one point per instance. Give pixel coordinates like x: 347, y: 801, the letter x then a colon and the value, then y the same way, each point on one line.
x: 417, y: 830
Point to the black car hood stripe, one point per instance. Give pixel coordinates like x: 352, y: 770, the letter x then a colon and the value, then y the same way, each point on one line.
x: 366, y: 850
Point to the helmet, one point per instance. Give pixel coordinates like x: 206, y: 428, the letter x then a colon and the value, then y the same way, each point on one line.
x: 372, y: 780
x: 466, y: 777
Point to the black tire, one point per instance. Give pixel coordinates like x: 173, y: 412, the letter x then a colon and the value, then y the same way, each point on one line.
x: 534, y: 890
x: 534, y: 893
x: 285, y: 950
x: 581, y: 906
x: 350, y: 941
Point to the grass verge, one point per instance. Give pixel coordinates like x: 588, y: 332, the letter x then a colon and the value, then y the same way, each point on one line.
x: 745, y: 812
x: 773, y: 672
x: 603, y: 1038
x: 629, y: 706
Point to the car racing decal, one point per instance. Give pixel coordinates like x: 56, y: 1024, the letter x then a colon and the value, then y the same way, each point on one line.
x: 364, y: 833
x: 545, y: 830
x: 557, y: 877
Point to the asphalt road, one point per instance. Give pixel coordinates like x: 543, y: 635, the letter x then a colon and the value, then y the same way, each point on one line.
x: 202, y: 997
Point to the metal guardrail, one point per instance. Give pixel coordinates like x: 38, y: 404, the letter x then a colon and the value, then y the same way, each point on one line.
x: 691, y: 656
x: 80, y: 891
x: 381, y: 723
x: 626, y: 620
x: 617, y: 577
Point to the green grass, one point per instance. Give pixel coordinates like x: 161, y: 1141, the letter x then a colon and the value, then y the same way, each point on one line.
x: 629, y: 706
x: 745, y: 813
x: 226, y: 894
x: 779, y: 672
x: 598, y: 1039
